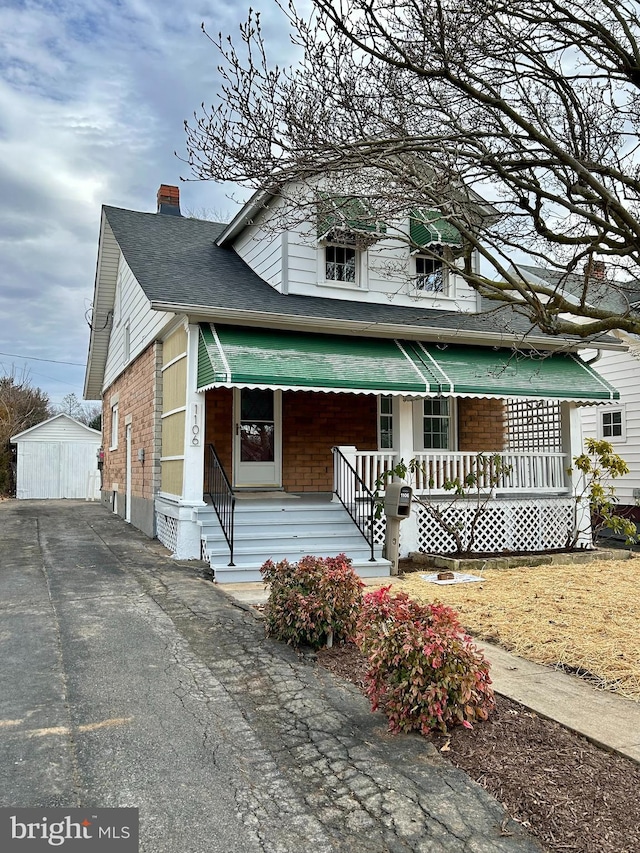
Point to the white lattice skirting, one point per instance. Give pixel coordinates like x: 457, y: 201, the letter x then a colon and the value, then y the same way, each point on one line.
x: 506, y: 525
x: 167, y: 531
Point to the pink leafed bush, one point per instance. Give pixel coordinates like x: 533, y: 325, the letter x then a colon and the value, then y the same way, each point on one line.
x: 424, y: 671
x: 312, y: 602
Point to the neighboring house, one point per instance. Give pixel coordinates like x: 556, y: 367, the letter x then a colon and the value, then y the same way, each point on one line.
x: 619, y: 421
x: 58, y: 458
x: 260, y: 369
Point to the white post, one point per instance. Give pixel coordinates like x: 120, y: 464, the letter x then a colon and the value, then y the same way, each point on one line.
x: 194, y: 427
x: 572, y: 446
x: 404, y: 443
x: 349, y: 452
x: 188, y: 537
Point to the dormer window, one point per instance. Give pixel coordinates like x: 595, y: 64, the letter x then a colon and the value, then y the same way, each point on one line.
x: 435, y: 242
x: 340, y: 263
x: 347, y: 226
x: 430, y: 274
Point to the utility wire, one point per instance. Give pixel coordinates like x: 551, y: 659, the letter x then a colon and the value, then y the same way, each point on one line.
x: 49, y: 360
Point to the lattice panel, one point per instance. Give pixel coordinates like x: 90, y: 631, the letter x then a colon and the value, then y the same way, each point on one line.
x: 167, y: 531
x: 534, y: 425
x: 507, y: 525
x: 379, y: 530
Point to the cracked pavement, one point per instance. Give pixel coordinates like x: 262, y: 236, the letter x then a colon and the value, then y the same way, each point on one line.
x: 129, y: 679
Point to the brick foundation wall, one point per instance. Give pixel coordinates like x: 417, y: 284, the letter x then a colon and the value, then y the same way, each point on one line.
x: 312, y: 423
x: 139, y: 393
x: 481, y: 424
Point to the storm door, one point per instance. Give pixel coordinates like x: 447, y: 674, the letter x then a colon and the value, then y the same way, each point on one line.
x: 257, y: 439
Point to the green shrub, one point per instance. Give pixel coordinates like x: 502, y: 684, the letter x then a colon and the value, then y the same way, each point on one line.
x: 424, y: 671
x: 312, y: 602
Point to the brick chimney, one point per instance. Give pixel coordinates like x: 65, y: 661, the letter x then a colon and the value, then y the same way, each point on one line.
x: 169, y: 200
x: 594, y: 269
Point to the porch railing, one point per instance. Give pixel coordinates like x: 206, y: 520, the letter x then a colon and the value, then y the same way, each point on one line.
x: 520, y: 472
x: 355, y: 496
x: 222, y: 497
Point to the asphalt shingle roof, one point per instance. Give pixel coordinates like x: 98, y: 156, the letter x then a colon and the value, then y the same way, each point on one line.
x: 175, y: 260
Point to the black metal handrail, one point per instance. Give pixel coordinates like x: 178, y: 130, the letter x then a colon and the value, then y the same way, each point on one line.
x: 219, y: 489
x: 355, y: 496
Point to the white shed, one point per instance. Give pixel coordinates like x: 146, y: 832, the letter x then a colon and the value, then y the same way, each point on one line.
x: 58, y: 459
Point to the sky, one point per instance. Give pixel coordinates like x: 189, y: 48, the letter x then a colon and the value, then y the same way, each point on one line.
x: 93, y: 98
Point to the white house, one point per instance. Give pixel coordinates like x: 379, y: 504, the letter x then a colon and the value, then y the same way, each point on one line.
x: 58, y: 459
x: 256, y: 379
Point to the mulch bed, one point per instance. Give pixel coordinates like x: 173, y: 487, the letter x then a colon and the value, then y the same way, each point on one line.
x: 573, y: 796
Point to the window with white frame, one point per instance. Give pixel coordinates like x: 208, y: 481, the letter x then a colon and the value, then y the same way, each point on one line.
x: 612, y: 424
x: 430, y: 273
x: 434, y: 424
x: 386, y: 422
x: 114, y: 427
x: 340, y: 263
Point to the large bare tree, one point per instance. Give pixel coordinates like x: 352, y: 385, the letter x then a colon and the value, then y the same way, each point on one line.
x: 534, y: 106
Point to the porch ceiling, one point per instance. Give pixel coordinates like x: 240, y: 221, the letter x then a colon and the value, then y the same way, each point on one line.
x: 232, y: 356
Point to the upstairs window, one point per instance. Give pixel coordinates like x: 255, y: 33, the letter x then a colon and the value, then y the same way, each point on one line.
x: 436, y: 242
x: 340, y: 263
x: 346, y: 227
x: 430, y: 274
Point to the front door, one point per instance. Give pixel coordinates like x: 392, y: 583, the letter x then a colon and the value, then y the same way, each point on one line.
x: 258, y: 439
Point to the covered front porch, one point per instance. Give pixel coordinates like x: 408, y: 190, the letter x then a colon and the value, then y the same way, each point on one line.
x: 288, y: 416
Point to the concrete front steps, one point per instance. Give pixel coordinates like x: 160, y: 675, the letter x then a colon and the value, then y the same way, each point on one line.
x: 281, y: 528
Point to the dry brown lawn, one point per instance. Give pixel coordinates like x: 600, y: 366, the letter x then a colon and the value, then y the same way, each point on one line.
x: 584, y: 618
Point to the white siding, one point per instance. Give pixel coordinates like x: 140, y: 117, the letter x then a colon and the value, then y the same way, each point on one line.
x: 131, y: 307
x: 385, y: 276
x: 260, y: 247
x: 622, y: 370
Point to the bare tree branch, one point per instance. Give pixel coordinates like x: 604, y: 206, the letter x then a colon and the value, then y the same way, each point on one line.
x: 535, y: 107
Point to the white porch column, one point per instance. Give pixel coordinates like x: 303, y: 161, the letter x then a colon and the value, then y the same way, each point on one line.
x: 404, y: 445
x: 572, y: 446
x: 194, y: 427
x: 188, y: 544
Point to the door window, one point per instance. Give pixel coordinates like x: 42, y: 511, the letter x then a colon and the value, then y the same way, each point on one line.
x: 257, y: 426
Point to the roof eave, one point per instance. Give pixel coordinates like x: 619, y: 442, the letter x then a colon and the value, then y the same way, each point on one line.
x: 202, y: 313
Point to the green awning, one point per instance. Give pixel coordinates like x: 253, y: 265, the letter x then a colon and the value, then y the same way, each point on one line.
x: 429, y: 228
x: 264, y: 358
x: 501, y: 372
x: 346, y: 213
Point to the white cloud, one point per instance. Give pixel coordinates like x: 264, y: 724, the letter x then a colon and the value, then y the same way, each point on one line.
x: 93, y: 95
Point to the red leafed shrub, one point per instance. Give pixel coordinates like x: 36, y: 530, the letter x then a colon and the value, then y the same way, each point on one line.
x: 312, y: 602
x: 425, y: 673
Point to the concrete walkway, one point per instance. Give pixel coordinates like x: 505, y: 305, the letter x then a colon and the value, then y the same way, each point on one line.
x: 605, y: 719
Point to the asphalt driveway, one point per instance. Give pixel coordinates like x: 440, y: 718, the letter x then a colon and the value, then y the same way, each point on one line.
x: 127, y: 679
